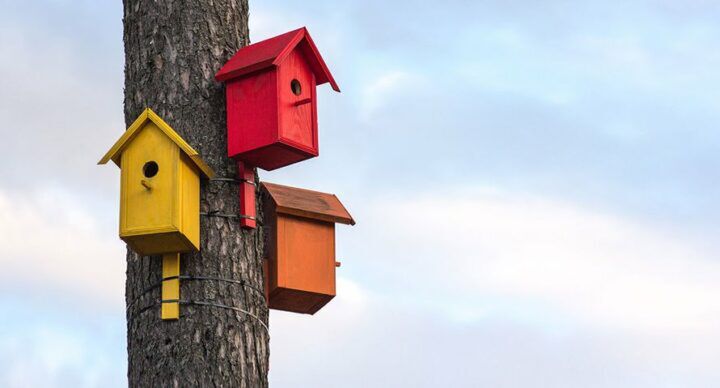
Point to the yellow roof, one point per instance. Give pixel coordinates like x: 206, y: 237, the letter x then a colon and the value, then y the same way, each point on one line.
x: 117, y: 148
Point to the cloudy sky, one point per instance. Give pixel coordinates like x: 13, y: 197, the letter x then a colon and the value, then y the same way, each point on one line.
x: 535, y: 185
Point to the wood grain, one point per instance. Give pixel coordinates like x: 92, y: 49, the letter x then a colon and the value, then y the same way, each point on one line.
x: 307, y: 203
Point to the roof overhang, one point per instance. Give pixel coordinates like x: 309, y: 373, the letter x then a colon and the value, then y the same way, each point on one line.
x: 272, y: 52
x: 308, y: 203
x: 116, y: 150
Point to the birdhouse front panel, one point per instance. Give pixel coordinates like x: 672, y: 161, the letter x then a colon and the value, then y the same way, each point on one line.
x: 148, y: 182
x: 301, y: 247
x: 305, y: 243
x: 305, y: 265
x: 271, y: 102
x: 296, y: 91
x: 159, y: 207
x: 160, y: 188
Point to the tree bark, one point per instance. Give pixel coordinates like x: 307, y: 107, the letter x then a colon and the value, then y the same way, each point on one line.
x: 172, y: 50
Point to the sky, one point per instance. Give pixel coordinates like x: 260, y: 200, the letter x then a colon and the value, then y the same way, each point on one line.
x: 534, y: 185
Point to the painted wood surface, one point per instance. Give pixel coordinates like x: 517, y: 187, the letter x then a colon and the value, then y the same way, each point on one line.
x: 297, y: 122
x: 137, y: 126
x: 252, y: 113
x: 159, y: 187
x: 170, y: 294
x: 271, y: 100
x: 272, y: 52
x: 308, y: 203
x: 301, y: 247
x: 306, y: 254
x: 247, y: 195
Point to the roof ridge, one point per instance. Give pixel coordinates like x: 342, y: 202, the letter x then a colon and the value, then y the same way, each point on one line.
x: 272, y: 52
x: 308, y: 203
x: 115, y: 152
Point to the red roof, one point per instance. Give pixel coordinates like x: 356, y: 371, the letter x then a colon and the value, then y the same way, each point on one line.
x: 271, y: 52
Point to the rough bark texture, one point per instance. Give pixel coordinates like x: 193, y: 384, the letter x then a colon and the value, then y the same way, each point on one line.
x: 172, y: 50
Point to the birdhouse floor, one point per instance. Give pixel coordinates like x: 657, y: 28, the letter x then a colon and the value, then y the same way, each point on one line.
x: 155, y: 244
x: 297, y: 301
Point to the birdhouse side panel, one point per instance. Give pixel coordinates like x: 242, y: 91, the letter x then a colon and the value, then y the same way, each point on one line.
x: 306, y: 255
x: 149, y: 184
x: 189, y: 201
x: 252, y: 116
x: 297, y: 101
x: 270, y: 221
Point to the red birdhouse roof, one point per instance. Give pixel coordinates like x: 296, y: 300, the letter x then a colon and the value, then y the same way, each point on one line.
x: 308, y: 203
x: 272, y: 52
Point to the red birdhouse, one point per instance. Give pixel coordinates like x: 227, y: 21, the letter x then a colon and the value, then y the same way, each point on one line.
x: 271, y: 100
x: 300, y: 272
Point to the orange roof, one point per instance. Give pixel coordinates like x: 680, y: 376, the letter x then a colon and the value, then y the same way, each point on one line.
x: 308, y: 203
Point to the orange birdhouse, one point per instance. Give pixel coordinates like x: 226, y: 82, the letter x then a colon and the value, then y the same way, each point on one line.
x: 300, y: 273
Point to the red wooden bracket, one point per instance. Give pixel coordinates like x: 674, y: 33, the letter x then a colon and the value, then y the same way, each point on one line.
x: 246, y: 175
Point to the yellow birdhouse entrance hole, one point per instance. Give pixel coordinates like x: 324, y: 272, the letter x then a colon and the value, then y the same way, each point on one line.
x: 159, y: 187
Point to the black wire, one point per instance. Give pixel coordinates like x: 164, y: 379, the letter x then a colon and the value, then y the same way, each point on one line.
x: 190, y: 277
x: 233, y: 281
x: 145, y: 291
x: 233, y: 180
x: 203, y: 303
x: 213, y: 304
x: 216, y: 213
x: 142, y: 310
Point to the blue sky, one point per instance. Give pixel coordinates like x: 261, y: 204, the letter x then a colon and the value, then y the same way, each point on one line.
x: 535, y: 187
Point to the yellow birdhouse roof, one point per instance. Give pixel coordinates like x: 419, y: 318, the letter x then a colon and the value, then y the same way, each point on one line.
x: 116, y: 150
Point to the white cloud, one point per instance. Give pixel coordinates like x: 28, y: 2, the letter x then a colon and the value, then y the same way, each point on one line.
x: 51, y: 244
x: 266, y: 23
x: 502, y: 289
x: 378, y: 340
x: 387, y: 86
x: 47, y: 350
x: 504, y: 253
x: 63, y: 115
x: 458, y: 288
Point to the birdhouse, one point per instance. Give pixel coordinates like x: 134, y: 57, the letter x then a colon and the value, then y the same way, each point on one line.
x: 159, y: 187
x: 300, y: 275
x: 271, y: 100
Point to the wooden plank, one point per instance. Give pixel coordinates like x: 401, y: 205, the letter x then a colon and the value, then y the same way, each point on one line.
x: 170, y: 288
x: 274, y: 51
x: 297, y: 123
x: 308, y: 203
x: 302, y: 268
x: 306, y: 255
x: 138, y: 126
x: 247, y: 195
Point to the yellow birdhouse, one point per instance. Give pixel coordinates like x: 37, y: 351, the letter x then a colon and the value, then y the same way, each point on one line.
x: 159, y: 187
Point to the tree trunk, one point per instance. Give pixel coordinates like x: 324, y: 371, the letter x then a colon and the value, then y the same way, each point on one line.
x: 172, y: 50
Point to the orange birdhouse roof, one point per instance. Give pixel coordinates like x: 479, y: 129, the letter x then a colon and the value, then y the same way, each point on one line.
x: 271, y: 52
x: 308, y: 203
